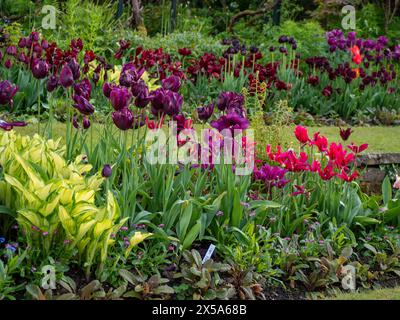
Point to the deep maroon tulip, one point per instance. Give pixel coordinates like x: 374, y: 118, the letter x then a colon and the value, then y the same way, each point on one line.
x: 123, y: 119
x: 107, y: 171
x: 86, y: 123
x: 83, y: 105
x: 83, y: 88
x: 10, y: 125
x: 75, y: 68
x: 166, y: 102
x: 327, y: 91
x: 205, y: 113
x: 313, y: 80
x: 230, y: 121
x: 66, y: 77
x: 52, y: 83
x: 8, y: 64
x: 185, y: 52
x: 120, y: 98
x: 345, y: 133
x: 7, y: 92
x: 172, y: 83
x: 40, y: 69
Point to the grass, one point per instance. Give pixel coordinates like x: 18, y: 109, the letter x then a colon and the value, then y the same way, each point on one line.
x: 380, y: 294
x: 380, y: 139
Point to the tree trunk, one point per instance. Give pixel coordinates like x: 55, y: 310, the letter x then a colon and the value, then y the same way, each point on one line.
x: 390, y: 8
x: 174, y: 4
x: 137, y: 20
x: 267, y: 6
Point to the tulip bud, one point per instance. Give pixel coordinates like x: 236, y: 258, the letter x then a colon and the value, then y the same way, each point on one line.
x: 107, y: 171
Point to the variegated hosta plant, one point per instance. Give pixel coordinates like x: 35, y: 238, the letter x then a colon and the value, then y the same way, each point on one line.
x: 54, y: 200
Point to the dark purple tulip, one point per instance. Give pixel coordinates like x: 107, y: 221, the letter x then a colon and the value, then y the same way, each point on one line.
x: 230, y: 101
x: 34, y: 36
x: 44, y: 44
x: 66, y: 77
x: 230, y: 121
x: 11, y: 50
x: 8, y: 64
x: 142, y: 100
x: 37, y: 49
x: 253, y: 49
x: 7, y: 92
x: 86, y: 123
x: 123, y: 119
x: 271, y: 49
x: 283, y: 39
x: 107, y: 87
x: 40, y: 69
x: 166, y: 102
x: 139, y: 88
x: 83, y: 88
x: 83, y: 105
x: 9, y: 125
x: 52, y: 83
x: 283, y: 50
x: 120, y: 98
x: 107, y: 171
x: 22, y: 43
x: 351, y: 36
x: 75, y: 122
x: 205, y: 112
x: 23, y: 58
x: 172, y: 83
x: 129, y: 75
x: 74, y: 66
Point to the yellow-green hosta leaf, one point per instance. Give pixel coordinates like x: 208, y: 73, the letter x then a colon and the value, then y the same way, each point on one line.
x: 43, y: 193
x: 66, y: 196
x: 17, y: 185
x: 66, y: 221
x: 34, y: 179
x: 32, y: 217
x: 113, y: 209
x: 83, y: 208
x: 50, y: 207
x: 82, y: 231
x: 137, y: 238
x: 102, y: 226
x: 85, y: 196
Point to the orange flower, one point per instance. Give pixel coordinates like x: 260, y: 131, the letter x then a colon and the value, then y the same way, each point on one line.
x: 357, y: 71
x: 355, y: 51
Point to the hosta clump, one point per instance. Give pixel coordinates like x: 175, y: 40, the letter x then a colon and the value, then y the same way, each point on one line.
x: 203, y: 279
x: 55, y: 200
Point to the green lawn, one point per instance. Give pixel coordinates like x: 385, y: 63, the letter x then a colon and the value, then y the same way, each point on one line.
x: 381, y: 294
x: 380, y: 139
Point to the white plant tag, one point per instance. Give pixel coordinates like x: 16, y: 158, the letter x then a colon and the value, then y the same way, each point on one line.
x: 208, y: 254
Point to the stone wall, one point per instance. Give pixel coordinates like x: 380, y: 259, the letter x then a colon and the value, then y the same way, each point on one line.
x: 372, y: 175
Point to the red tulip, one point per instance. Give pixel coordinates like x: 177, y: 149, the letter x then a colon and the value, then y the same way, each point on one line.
x: 301, y: 134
